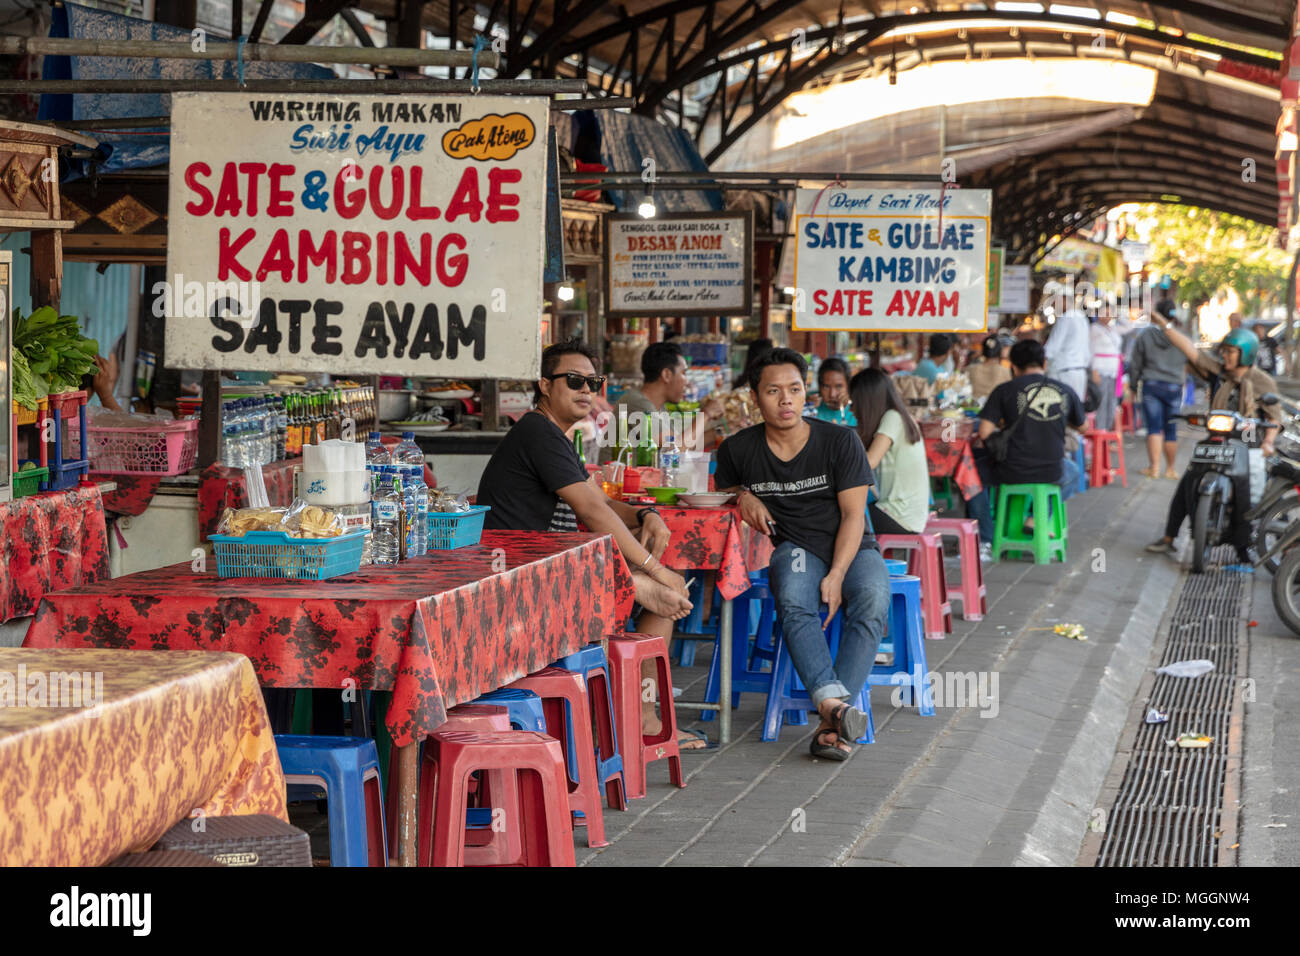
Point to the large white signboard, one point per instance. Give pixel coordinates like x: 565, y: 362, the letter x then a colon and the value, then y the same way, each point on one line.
x: 684, y: 264
x: 891, y: 260
x: 394, y: 235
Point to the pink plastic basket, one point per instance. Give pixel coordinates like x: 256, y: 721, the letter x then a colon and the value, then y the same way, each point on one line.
x: 169, y: 449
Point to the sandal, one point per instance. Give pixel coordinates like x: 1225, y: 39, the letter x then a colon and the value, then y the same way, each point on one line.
x: 708, y: 748
x: 1172, y: 475
x: 1149, y: 473
x: 850, y: 723
x: 827, y: 751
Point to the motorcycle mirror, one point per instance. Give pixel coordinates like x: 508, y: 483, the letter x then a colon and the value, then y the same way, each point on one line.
x: 1268, y: 398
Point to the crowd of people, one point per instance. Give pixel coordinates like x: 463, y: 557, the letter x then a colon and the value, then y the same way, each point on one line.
x: 823, y: 480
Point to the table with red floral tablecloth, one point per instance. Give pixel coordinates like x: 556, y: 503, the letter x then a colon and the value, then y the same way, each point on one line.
x: 437, y: 631
x: 717, y: 539
x: 954, y: 459
x: 51, y: 541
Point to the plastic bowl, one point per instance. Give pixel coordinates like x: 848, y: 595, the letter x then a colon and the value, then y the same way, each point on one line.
x: 665, y: 496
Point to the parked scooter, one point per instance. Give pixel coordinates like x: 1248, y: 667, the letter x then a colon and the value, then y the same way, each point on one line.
x: 1219, y: 461
x: 1279, y: 504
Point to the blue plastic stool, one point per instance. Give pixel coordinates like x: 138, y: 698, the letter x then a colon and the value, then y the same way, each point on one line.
x: 787, y: 693
x: 754, y: 617
x: 906, y: 640
x: 586, y: 662
x: 348, y: 768
x: 895, y: 567
x: 1081, y: 459
x: 523, y: 706
x: 694, y: 623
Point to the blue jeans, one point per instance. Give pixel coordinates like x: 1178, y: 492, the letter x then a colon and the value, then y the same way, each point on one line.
x: 1160, y: 402
x: 795, y: 576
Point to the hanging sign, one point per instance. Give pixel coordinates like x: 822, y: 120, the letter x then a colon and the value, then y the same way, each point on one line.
x: 402, y: 236
x: 881, y: 260
x: 682, y: 264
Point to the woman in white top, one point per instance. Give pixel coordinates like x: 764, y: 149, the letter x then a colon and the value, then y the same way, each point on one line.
x: 896, y: 453
x: 1106, y: 348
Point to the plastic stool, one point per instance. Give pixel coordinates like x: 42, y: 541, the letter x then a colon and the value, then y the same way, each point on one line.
x: 1103, y: 467
x: 1127, y: 419
x: 695, y: 623
x: 749, y: 675
x: 626, y: 654
x: 787, y: 694
x: 523, y: 706
x: 540, y: 822
x: 348, y: 768
x: 925, y: 560
x: 970, y: 590
x: 1049, y: 537
x: 590, y: 662
x: 568, y: 717
x: 906, y: 639
x: 942, y: 488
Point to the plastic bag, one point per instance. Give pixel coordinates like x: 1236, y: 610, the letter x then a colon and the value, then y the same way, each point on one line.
x: 1186, y: 668
x: 304, y: 520
x: 444, y: 502
x: 237, y: 522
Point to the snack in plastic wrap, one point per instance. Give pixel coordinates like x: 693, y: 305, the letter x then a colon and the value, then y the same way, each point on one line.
x: 311, y: 521
x: 237, y: 522
x: 445, y: 501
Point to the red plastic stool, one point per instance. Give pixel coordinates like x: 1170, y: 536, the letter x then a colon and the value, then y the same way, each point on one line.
x: 970, y: 590
x: 470, y: 718
x: 540, y: 822
x: 626, y: 654
x: 1103, y: 468
x: 925, y: 560
x: 1127, y: 419
x: 557, y: 687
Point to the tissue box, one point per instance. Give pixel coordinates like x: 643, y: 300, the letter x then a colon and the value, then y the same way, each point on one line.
x: 334, y: 487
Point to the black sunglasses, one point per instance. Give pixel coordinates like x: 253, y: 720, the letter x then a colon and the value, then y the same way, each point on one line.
x: 575, y: 379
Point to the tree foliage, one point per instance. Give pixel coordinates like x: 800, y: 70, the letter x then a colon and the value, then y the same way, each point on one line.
x: 1208, y: 252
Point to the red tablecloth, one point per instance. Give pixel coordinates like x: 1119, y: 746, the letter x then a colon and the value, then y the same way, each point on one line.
x: 954, y: 458
x: 436, y: 631
x: 715, y: 539
x: 132, y: 494
x: 50, y: 541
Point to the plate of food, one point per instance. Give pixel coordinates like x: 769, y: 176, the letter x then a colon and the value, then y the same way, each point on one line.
x: 447, y: 391
x: 706, y: 499
x: 420, y: 428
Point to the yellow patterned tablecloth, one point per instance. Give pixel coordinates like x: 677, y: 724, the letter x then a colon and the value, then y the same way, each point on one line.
x: 100, y: 765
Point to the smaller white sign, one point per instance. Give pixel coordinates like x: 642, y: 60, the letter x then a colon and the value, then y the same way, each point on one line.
x: 1134, y: 251
x: 1015, y: 289
x: 686, y: 264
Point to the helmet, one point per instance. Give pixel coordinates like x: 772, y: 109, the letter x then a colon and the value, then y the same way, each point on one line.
x: 1245, y: 341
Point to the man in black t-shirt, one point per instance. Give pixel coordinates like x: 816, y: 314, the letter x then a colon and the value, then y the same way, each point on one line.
x: 804, y: 482
x: 535, y: 482
x: 1036, y: 454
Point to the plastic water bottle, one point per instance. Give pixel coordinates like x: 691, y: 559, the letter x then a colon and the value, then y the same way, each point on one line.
x: 670, y: 462
x: 376, y: 452
x: 230, y: 434
x: 385, y: 519
x: 281, y: 428
x: 411, y: 505
x: 408, y: 452
x: 414, y: 480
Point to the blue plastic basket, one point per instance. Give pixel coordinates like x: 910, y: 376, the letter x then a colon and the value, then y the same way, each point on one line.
x: 449, y: 530
x: 273, y: 554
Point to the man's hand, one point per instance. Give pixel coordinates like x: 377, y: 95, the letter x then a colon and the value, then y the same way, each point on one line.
x: 1266, y: 446
x: 1096, y: 378
x: 753, y: 512
x: 654, y: 535
x: 105, y: 379
x: 832, y: 585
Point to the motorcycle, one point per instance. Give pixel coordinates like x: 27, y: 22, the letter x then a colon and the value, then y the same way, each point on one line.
x: 1218, y: 461
x: 1279, y: 504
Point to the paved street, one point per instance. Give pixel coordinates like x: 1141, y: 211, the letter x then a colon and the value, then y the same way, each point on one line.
x: 1010, y: 784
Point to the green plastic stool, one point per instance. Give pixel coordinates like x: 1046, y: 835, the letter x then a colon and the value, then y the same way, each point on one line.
x: 1050, y: 535
x: 941, y: 489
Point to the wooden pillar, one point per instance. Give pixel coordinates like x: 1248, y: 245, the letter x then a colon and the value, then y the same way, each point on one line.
x: 596, y: 330
x: 210, y: 420
x: 47, y: 267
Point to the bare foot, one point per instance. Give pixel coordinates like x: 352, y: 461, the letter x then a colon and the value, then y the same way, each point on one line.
x: 660, y: 598
x: 651, y: 725
x: 826, y: 734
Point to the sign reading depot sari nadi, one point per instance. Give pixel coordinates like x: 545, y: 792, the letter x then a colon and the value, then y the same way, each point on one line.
x: 913, y: 260
x: 681, y: 264
x: 395, y: 235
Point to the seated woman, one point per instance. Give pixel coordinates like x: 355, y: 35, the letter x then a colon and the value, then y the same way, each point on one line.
x: 895, y: 452
x: 989, y: 373
x: 833, y: 390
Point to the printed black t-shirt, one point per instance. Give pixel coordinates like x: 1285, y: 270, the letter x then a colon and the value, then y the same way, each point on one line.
x: 800, y: 493
x: 1038, y: 446
x: 533, y: 461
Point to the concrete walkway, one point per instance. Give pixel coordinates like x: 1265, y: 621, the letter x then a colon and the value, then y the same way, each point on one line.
x: 1009, y: 781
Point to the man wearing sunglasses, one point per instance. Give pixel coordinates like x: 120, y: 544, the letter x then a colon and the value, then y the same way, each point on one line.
x: 535, y: 482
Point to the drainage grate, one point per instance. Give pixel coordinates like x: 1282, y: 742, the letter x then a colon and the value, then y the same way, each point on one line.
x: 1168, y: 808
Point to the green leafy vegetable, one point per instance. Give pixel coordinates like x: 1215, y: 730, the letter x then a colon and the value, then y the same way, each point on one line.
x: 55, y: 354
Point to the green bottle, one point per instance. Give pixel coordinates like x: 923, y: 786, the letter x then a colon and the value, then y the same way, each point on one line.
x: 647, y: 453
x: 577, y: 446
